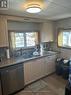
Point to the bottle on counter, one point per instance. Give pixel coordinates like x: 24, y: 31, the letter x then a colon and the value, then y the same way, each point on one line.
x: 7, y: 53
x: 41, y: 49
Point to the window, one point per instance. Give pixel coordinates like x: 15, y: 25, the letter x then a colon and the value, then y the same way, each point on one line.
x: 19, y: 39
x: 23, y: 39
x: 64, y: 38
x: 31, y: 39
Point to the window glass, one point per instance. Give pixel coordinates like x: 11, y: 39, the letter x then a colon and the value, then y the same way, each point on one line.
x: 30, y: 39
x: 64, y: 38
x: 23, y: 39
x: 19, y: 39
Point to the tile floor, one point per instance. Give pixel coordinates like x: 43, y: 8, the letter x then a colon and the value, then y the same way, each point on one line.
x: 51, y: 85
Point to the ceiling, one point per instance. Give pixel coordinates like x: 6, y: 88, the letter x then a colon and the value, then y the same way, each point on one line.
x: 54, y: 9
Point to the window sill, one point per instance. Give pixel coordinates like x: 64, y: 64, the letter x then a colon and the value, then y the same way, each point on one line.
x: 24, y: 48
x: 64, y: 47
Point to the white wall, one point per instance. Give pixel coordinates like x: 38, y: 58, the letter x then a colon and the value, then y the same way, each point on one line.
x: 23, y: 26
x: 65, y: 23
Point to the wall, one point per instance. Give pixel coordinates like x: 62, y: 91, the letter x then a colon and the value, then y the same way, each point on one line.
x: 18, y: 23
x: 23, y: 26
x: 65, y: 23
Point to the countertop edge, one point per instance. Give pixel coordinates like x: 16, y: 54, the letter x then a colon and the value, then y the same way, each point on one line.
x: 11, y: 62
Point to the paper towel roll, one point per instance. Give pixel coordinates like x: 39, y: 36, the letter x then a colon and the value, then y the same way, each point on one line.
x: 8, y: 54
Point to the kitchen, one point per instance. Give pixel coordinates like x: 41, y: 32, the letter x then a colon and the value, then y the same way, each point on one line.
x: 29, y: 47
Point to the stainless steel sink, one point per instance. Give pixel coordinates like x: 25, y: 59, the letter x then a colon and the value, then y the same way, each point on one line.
x: 51, y: 52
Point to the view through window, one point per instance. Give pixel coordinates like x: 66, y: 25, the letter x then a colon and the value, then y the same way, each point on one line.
x: 23, y: 39
x: 19, y: 39
x: 64, y: 38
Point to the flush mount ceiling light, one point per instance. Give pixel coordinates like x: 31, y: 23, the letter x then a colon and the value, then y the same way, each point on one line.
x: 33, y: 6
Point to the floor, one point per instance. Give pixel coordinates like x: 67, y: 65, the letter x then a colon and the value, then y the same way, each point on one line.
x: 51, y: 85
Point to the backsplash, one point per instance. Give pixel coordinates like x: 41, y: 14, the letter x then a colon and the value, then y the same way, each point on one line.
x: 2, y: 53
x: 25, y: 52
x: 28, y: 52
x: 22, y: 52
x: 47, y: 45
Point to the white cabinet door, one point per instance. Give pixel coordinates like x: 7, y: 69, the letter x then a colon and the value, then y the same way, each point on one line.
x: 51, y: 63
x: 47, y: 32
x: 33, y: 70
x: 47, y: 71
x: 36, y: 69
x: 42, y: 67
x: 27, y: 72
x: 3, y: 32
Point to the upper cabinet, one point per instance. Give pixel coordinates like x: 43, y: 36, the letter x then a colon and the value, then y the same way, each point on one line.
x: 46, y: 31
x: 3, y: 32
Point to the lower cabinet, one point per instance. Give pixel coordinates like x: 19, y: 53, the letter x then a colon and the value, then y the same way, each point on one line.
x: 38, y: 68
x: 33, y: 70
x: 27, y: 72
x: 47, y: 64
x: 50, y: 64
x: 13, y: 78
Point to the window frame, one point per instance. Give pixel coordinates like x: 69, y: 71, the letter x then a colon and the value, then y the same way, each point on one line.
x: 19, y: 31
x: 58, y: 31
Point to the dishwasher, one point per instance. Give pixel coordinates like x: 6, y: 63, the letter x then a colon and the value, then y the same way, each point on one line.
x: 12, y: 79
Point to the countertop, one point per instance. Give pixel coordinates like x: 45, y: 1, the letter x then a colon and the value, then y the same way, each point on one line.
x: 14, y: 61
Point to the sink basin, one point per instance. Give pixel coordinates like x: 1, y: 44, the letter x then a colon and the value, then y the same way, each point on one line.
x: 51, y: 52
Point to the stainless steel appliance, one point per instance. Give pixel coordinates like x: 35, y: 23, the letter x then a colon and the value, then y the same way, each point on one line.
x: 12, y: 79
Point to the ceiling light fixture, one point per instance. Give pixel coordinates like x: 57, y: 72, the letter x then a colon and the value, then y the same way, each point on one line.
x: 33, y: 8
